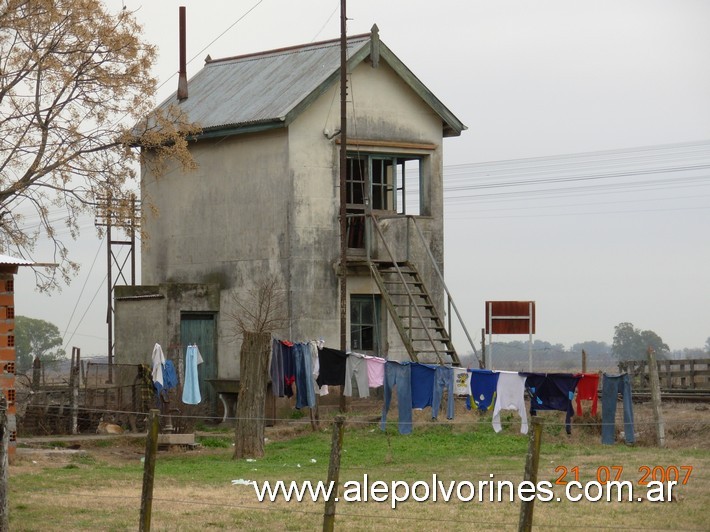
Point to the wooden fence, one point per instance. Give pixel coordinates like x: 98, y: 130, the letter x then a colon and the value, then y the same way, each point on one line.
x: 686, y: 374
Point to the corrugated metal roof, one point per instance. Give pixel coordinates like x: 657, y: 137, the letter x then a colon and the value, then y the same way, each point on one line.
x: 268, y: 89
x: 259, y: 88
x: 7, y: 259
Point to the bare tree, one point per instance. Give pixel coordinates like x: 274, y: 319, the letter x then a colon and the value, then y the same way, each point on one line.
x: 74, y: 82
x: 262, y: 311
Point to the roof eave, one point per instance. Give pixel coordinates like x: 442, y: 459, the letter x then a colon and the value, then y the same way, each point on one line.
x: 229, y: 130
x: 452, y: 125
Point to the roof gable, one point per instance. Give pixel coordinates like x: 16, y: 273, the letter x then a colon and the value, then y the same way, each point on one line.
x: 270, y: 89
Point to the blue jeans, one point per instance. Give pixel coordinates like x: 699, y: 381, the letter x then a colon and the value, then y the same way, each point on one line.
x: 399, y: 375
x: 612, y: 385
x: 444, y: 379
x: 305, y: 394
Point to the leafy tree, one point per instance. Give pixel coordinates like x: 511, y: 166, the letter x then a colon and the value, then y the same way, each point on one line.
x: 631, y: 343
x: 70, y: 74
x: 707, y: 345
x: 36, y: 338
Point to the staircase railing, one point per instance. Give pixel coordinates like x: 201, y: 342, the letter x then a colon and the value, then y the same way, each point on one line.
x: 450, y: 304
x: 409, y: 293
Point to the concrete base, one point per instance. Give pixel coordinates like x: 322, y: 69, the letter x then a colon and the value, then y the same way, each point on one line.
x: 177, y: 439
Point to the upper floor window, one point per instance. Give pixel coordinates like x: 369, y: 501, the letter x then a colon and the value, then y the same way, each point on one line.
x: 389, y: 182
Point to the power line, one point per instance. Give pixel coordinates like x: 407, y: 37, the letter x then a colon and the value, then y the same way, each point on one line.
x: 88, y: 275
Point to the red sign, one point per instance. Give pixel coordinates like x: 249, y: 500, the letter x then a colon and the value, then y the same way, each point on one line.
x: 510, y: 317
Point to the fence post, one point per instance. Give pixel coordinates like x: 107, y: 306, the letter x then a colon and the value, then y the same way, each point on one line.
x: 656, y: 398
x: 584, y: 361
x: 333, y: 473
x: 531, y: 464
x: 74, y: 383
x: 151, y: 449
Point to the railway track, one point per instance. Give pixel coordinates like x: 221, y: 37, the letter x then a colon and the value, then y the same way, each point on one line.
x: 687, y: 396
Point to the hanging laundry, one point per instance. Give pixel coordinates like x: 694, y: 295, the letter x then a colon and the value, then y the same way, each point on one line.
x: 191, y: 389
x: 289, y: 365
x: 399, y: 375
x: 332, y: 367
x: 356, y: 368
x: 375, y: 371
x: 422, y: 384
x: 315, y: 368
x: 305, y: 395
x: 612, y: 386
x: 483, y: 385
x: 443, y: 380
x: 510, y: 395
x: 276, y: 369
x: 587, y: 390
x: 462, y: 382
x: 552, y: 391
x: 170, y: 379
x: 158, y: 360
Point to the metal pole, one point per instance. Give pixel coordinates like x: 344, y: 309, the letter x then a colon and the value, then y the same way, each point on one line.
x: 490, y: 334
x: 530, y: 323
x: 109, y: 286
x: 133, y: 240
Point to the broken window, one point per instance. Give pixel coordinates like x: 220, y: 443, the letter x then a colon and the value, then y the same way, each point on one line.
x: 389, y: 182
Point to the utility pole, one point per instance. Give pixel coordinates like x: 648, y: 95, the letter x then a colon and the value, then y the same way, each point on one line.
x: 343, y: 179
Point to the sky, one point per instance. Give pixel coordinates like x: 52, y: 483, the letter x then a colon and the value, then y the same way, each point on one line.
x: 582, y: 182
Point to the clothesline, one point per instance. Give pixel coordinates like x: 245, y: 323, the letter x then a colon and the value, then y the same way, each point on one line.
x: 418, y: 386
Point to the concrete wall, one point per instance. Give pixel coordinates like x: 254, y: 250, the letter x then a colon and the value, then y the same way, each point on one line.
x: 266, y: 204
x: 225, y: 224
x: 383, y: 108
x: 146, y: 315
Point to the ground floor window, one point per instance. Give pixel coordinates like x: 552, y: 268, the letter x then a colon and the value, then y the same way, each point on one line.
x: 365, y: 323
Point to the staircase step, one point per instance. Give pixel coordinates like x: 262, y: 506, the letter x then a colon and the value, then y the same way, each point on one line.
x: 413, y: 310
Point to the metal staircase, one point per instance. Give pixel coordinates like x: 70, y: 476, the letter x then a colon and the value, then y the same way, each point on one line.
x: 413, y: 312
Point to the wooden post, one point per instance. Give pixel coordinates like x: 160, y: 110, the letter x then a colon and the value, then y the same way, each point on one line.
x: 656, y: 398
x: 483, y: 348
x: 151, y: 449
x: 74, y: 383
x: 531, y: 464
x: 36, y: 373
x: 584, y: 361
x: 333, y: 473
x: 4, y: 461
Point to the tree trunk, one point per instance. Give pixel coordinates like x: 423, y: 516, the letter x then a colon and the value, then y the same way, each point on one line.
x: 253, y: 376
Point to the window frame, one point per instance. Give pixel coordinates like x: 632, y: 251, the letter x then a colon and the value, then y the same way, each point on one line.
x: 383, y: 189
x: 377, y: 324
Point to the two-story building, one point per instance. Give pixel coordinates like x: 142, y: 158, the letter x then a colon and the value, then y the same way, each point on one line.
x: 264, y: 202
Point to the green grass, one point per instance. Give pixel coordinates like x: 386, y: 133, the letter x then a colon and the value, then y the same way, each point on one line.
x: 193, y: 489
x: 215, y: 442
